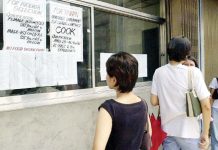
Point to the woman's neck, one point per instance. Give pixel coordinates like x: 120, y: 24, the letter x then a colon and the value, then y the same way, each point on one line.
x: 120, y: 95
x: 172, y: 62
x: 127, y: 98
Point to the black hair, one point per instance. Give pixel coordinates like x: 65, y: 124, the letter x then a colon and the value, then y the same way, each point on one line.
x: 124, y: 67
x: 178, y: 48
x: 193, y: 59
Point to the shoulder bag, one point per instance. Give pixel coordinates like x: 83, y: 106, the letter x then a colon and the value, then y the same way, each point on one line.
x: 193, y: 106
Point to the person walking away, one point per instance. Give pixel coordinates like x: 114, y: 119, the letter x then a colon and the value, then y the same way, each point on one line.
x: 121, y: 121
x: 169, y: 85
x: 214, y: 124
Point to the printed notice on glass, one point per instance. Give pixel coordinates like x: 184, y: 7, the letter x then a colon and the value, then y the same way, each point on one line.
x: 142, y: 64
x: 66, y: 30
x: 46, y: 69
x: 24, y: 25
x: 22, y: 70
x: 24, y: 33
x: 103, y: 59
x: 66, y: 70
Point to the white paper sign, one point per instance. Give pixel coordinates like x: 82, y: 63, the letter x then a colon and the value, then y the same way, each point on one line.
x: 142, y: 64
x: 46, y: 69
x: 103, y: 59
x: 66, y: 69
x: 66, y: 29
x: 55, y: 69
x: 24, y: 31
x: 22, y: 70
x: 25, y: 63
x: 24, y: 25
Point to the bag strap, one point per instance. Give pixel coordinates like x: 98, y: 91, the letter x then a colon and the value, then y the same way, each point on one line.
x: 146, y: 129
x: 190, y: 79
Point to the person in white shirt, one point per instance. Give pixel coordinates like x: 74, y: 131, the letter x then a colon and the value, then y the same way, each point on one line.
x: 214, y: 125
x: 169, y: 85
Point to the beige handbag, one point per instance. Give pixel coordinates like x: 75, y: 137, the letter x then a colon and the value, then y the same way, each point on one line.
x: 193, y: 106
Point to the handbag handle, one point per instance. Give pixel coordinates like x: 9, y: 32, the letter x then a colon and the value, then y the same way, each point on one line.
x: 146, y: 129
x: 190, y: 79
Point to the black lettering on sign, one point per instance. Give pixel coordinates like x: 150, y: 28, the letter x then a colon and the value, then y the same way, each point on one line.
x: 12, y: 31
x: 64, y: 30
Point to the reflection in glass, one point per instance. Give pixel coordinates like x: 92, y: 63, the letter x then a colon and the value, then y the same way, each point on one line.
x: 115, y: 33
x: 147, y: 6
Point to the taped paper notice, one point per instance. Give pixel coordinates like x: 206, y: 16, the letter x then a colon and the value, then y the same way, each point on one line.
x: 66, y: 29
x: 24, y: 25
x: 142, y: 64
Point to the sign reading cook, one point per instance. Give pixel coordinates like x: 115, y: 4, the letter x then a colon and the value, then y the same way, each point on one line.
x: 66, y: 34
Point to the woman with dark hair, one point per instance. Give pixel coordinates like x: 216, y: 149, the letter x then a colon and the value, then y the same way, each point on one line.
x: 121, y: 121
x: 169, y: 85
x: 191, y: 61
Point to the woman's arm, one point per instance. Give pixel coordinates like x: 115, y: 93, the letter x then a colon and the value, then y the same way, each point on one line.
x: 103, y: 130
x: 154, y: 100
x: 149, y: 126
x: 206, y: 111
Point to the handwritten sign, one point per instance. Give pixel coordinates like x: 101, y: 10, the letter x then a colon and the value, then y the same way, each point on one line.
x: 25, y: 61
x: 24, y: 33
x: 66, y: 35
x: 24, y: 25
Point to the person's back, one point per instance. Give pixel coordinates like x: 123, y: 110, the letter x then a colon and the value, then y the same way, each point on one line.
x: 172, y: 85
x: 169, y: 85
x: 128, y: 124
x: 121, y: 121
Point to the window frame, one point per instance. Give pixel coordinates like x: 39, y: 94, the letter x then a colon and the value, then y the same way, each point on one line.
x: 43, y: 99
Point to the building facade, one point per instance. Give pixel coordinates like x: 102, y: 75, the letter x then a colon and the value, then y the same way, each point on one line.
x: 53, y: 54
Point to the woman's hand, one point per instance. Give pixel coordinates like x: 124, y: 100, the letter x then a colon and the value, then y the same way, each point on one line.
x: 204, y: 141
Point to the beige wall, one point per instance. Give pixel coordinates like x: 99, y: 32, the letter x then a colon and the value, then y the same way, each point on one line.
x: 68, y: 126
x: 58, y: 127
x: 182, y: 19
x: 210, y: 18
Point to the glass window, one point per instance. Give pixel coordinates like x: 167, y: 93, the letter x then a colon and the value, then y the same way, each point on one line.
x: 115, y: 33
x: 1, y: 25
x: 147, y: 6
x: 84, y: 75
